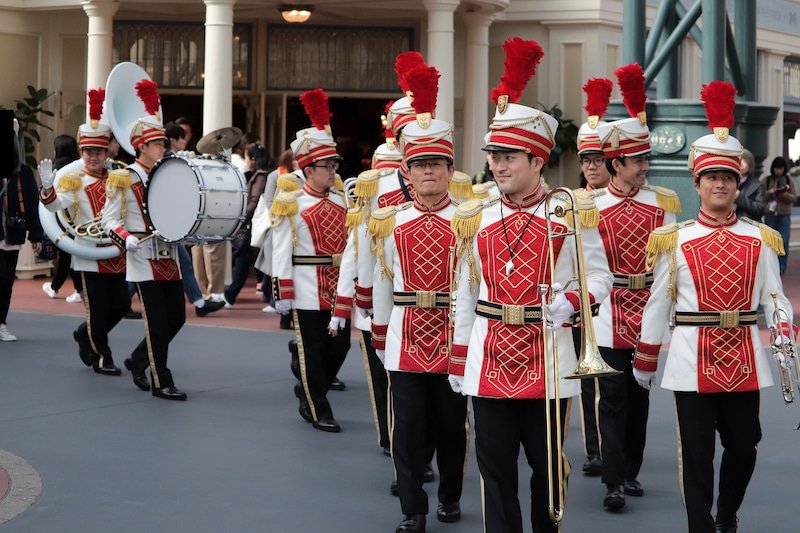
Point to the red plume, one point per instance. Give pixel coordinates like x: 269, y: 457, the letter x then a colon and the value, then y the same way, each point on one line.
x: 316, y: 104
x: 631, y: 84
x: 405, y: 62
x: 96, y: 97
x: 423, y: 82
x: 148, y: 92
x: 520, y: 66
x: 388, y: 128
x: 719, y: 100
x: 598, y: 93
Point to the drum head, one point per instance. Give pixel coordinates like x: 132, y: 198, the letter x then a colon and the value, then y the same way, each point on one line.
x: 173, y: 198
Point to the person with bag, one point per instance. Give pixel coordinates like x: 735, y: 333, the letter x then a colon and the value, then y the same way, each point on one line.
x: 18, y: 218
x: 780, y: 197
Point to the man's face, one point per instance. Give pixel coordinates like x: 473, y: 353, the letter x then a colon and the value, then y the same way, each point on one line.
x: 188, y: 129
x: 717, y: 190
x: 113, y: 149
x: 430, y: 176
x: 594, y: 170
x: 631, y: 172
x: 515, y: 173
x: 94, y: 158
x: 152, y: 152
x: 176, y: 145
x: 321, y: 174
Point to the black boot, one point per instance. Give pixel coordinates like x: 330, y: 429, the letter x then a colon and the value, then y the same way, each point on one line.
x: 295, y: 364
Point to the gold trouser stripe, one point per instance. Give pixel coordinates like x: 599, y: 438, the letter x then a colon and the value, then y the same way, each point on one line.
x: 370, y: 385
x: 390, y: 406
x: 466, y: 449
x: 680, y: 451
x: 85, y: 294
x: 596, y: 409
x: 151, y: 359
x: 301, y: 356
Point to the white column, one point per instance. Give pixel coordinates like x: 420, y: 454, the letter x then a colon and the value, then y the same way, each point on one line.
x: 218, y: 81
x: 99, y: 42
x: 440, y: 53
x: 476, y: 91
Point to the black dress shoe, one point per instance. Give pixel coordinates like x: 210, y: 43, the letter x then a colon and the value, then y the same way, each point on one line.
x: 633, y: 488
x: 412, y: 522
x: 169, y: 393
x: 139, y: 379
x: 387, y: 451
x: 428, y: 476
x: 448, y: 512
x: 108, y: 370
x: 337, y: 384
x: 615, y: 498
x: 328, y: 424
x: 304, y: 409
x: 84, y: 348
x: 286, y: 322
x: 133, y: 315
x: 294, y: 365
x: 393, y: 490
x: 594, y: 466
x: 209, y: 307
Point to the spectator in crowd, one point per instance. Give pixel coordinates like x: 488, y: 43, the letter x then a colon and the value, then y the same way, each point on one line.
x: 780, y: 195
x: 750, y: 201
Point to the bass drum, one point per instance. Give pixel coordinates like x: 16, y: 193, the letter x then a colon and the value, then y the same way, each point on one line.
x: 195, y: 201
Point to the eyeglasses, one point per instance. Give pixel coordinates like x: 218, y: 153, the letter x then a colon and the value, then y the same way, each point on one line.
x: 434, y: 165
x: 330, y: 166
x: 596, y: 161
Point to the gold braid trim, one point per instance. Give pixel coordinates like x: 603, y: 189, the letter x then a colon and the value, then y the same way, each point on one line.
x: 770, y: 237
x: 120, y: 178
x: 667, y: 198
x: 460, y: 185
x: 380, y: 226
x: 71, y: 181
x: 288, y: 182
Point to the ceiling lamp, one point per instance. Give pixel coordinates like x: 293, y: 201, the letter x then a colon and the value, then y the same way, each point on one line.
x: 296, y: 14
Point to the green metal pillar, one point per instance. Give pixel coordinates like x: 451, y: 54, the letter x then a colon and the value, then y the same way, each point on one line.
x: 745, y: 37
x: 668, y: 79
x: 713, y: 40
x: 634, y: 30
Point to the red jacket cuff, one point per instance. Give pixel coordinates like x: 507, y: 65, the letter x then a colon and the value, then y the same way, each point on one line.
x: 344, y: 307
x: 379, y: 336
x: 50, y: 198
x: 363, y: 297
x: 646, y: 357
x: 458, y: 360
x: 283, y: 289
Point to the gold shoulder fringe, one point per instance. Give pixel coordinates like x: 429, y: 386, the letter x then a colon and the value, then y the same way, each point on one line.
x: 381, y: 223
x: 288, y: 182
x: 663, y: 239
x: 480, y: 190
x: 667, y: 199
x: 770, y: 237
x: 355, y: 215
x: 120, y: 178
x: 587, y: 211
x: 338, y: 183
x: 467, y: 218
x: 367, y: 183
x: 71, y: 181
x: 285, y: 204
x: 460, y: 185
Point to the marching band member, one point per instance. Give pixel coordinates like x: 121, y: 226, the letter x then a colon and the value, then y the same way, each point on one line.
x: 308, y: 240
x: 498, y: 354
x: 411, y: 298
x: 596, y: 176
x: 714, y: 273
x: 105, y: 291
x: 629, y: 210
x: 152, y: 264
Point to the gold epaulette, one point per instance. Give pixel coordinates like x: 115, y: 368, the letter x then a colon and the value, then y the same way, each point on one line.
x: 71, y: 181
x: 667, y: 198
x: 381, y: 223
x: 338, y: 183
x: 595, y: 193
x: 770, y: 236
x: 285, y: 204
x: 468, y: 216
x: 587, y: 211
x: 367, y: 182
x: 120, y: 178
x: 355, y: 215
x: 460, y: 185
x: 288, y: 182
x: 663, y: 239
x: 481, y: 190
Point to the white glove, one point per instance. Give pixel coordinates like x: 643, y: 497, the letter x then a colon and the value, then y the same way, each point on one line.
x: 644, y: 378
x: 335, y: 325
x: 778, y: 355
x: 131, y: 243
x: 366, y: 313
x: 186, y: 154
x: 46, y: 173
x: 456, y: 383
x: 560, y: 310
x: 381, y: 355
x: 284, y: 307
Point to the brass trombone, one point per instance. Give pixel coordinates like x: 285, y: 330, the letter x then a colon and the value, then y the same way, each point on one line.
x: 590, y: 363
x: 787, y: 349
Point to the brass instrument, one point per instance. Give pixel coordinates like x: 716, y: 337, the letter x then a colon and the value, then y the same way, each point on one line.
x: 590, y: 363
x: 789, y: 371
x: 451, y: 270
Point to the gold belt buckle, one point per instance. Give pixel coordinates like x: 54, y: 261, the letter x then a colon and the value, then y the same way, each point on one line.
x: 336, y: 260
x: 426, y: 299
x: 514, y: 315
x: 636, y: 281
x: 728, y: 319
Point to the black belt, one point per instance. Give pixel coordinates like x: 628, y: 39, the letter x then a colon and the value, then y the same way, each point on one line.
x: 334, y: 260
x: 513, y: 315
x: 633, y: 281
x: 422, y: 299
x: 718, y: 319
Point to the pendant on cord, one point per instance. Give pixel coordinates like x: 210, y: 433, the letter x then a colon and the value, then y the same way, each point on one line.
x: 509, y: 267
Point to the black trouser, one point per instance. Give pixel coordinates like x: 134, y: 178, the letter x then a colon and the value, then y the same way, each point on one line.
x: 105, y: 298
x: 425, y: 403
x: 63, y: 270
x: 321, y: 357
x: 590, y: 393
x: 378, y: 384
x: 624, y: 407
x: 8, y: 268
x: 164, y: 314
x: 735, y: 416
x: 500, y: 426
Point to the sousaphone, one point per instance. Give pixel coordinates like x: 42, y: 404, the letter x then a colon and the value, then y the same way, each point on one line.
x: 122, y: 107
